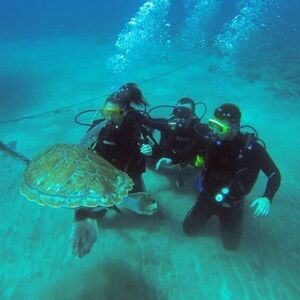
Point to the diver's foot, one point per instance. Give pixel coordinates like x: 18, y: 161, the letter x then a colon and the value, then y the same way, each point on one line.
x: 84, y: 237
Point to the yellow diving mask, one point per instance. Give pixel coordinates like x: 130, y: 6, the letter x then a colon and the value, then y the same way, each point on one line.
x: 110, y: 113
x: 218, y: 126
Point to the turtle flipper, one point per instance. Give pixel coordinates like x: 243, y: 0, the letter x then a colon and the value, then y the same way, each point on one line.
x: 141, y: 203
x: 84, y: 237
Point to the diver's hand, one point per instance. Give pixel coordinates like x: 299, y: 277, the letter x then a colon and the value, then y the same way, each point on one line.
x: 146, y: 149
x: 163, y: 162
x: 84, y: 237
x: 263, y: 206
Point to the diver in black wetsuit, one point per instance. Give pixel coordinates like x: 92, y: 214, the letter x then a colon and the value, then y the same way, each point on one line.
x: 232, y: 163
x: 120, y: 142
x: 177, y: 133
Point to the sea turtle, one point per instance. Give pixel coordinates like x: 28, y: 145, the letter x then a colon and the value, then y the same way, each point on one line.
x: 69, y: 175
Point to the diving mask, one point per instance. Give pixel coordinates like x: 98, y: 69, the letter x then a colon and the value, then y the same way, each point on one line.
x: 181, y: 118
x: 181, y: 112
x: 110, y: 113
x: 218, y: 126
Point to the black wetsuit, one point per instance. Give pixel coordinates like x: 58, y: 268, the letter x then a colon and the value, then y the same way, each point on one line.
x: 121, y: 147
x: 174, y: 139
x: 233, y: 164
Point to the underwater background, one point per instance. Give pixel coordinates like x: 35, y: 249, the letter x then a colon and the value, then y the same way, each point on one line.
x: 59, y: 58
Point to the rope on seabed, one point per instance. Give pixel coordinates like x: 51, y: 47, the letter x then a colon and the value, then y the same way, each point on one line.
x: 65, y: 108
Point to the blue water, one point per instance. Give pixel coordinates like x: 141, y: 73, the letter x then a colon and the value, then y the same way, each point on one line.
x: 36, y: 18
x: 278, y: 24
x: 47, y: 18
x: 60, y: 57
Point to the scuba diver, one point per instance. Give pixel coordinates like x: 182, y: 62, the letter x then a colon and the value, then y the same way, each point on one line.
x: 177, y: 132
x: 232, y: 162
x: 118, y: 138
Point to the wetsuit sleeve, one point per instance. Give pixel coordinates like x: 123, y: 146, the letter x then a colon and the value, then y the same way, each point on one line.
x: 270, y: 169
x: 160, y: 124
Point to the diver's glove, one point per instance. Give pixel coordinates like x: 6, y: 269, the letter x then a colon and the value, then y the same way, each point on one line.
x: 146, y: 150
x: 263, y: 206
x: 163, y: 162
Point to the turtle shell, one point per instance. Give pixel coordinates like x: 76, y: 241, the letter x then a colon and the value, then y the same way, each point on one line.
x: 67, y: 175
